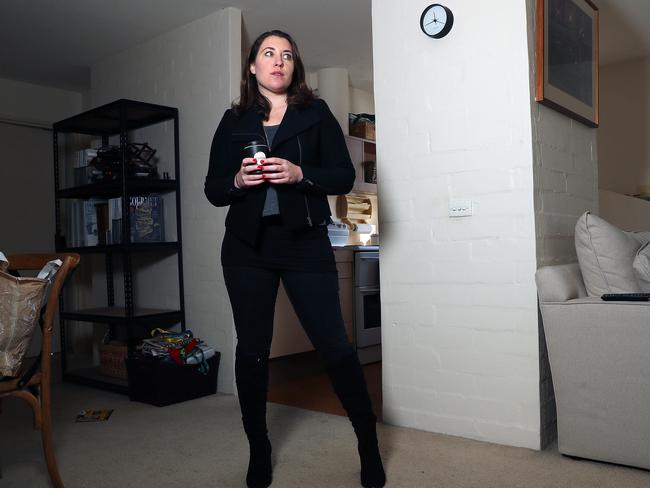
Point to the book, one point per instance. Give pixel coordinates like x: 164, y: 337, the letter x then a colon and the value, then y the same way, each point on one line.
x: 101, y: 216
x: 94, y: 415
x: 115, y: 220
x: 91, y: 234
x: 86, y: 222
x: 75, y: 220
x: 147, y: 218
x: 69, y: 223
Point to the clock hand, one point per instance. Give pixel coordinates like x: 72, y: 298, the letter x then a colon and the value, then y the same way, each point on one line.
x: 430, y: 22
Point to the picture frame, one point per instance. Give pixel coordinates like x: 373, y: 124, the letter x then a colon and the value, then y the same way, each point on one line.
x: 567, y: 58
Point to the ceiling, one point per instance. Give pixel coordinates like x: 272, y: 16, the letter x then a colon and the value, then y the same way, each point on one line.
x: 54, y: 43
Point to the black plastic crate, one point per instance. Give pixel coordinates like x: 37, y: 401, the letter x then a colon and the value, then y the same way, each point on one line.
x: 163, y: 383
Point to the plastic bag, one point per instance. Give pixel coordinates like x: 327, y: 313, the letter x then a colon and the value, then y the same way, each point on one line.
x: 21, y: 300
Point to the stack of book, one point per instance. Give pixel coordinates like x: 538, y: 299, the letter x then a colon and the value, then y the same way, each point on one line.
x: 81, y: 222
x: 96, y: 221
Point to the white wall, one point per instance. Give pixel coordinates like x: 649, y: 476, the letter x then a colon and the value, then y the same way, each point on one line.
x: 27, y: 195
x: 623, y: 142
x: 27, y: 167
x: 196, y: 68
x: 623, y: 211
x: 566, y: 181
x: 41, y: 105
x: 27, y: 112
x: 459, y: 304
x: 361, y: 101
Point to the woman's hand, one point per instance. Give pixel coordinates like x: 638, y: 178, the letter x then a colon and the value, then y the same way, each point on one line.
x: 279, y: 171
x: 244, y: 178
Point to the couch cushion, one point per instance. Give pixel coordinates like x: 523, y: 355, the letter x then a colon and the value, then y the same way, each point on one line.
x: 606, y: 255
x: 641, y: 237
x: 641, y: 267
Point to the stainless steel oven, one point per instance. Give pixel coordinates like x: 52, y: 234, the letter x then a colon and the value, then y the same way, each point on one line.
x: 367, y: 306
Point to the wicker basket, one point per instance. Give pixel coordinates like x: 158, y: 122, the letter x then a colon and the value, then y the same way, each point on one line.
x: 112, y: 358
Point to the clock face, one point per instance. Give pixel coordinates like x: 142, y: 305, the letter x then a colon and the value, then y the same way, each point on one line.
x: 436, y: 21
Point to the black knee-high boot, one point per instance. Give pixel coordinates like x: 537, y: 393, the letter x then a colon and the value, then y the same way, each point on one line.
x: 350, y: 386
x: 251, y: 374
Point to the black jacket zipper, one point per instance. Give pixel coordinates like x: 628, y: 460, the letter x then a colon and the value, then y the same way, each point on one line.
x: 309, y: 221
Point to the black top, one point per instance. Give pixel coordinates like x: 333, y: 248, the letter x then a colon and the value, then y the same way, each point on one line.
x: 271, y: 202
x: 309, y: 137
x: 270, y: 131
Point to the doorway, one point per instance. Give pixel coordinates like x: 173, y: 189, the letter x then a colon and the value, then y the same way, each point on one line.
x: 300, y: 380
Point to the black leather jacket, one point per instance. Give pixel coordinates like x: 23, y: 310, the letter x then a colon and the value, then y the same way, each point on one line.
x: 309, y: 137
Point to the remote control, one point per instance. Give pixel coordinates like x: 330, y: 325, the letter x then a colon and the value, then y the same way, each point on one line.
x: 626, y: 297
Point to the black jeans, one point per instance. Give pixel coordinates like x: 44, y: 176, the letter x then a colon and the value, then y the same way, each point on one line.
x: 305, y: 263
x: 315, y: 299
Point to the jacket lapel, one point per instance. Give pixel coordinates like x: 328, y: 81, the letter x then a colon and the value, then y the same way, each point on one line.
x: 295, y: 120
x: 249, y: 123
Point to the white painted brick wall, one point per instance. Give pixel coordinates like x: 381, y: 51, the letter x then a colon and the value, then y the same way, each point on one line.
x: 566, y: 181
x: 196, y: 68
x: 458, y: 296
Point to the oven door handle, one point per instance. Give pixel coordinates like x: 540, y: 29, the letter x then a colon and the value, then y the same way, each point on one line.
x: 366, y: 290
x: 373, y: 256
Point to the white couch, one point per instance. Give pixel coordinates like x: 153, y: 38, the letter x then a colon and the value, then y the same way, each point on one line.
x: 599, y: 352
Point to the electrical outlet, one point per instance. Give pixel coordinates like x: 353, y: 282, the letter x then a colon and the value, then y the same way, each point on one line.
x: 461, y: 208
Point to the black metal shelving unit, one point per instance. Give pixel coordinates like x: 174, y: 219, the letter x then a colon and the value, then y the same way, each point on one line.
x: 118, y: 118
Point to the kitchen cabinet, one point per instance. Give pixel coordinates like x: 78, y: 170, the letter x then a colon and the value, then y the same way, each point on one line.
x: 288, y: 335
x: 361, y: 150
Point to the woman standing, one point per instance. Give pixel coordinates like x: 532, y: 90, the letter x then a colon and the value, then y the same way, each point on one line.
x: 276, y: 229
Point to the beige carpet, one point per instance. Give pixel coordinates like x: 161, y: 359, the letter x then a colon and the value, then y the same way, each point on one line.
x: 200, y: 444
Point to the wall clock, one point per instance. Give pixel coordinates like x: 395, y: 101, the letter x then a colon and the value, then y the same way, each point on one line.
x: 436, y: 21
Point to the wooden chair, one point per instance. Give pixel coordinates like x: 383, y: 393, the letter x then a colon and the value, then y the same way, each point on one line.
x: 37, y: 390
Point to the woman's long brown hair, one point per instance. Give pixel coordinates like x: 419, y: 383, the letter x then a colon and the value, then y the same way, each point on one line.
x: 298, y: 93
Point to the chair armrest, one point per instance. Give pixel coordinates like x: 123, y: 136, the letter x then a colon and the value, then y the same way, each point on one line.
x: 600, y: 364
x: 592, y: 315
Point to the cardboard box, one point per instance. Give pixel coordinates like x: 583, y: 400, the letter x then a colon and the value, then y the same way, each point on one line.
x: 364, y: 130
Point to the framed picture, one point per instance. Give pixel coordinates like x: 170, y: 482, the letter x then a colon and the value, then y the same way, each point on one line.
x: 567, y: 58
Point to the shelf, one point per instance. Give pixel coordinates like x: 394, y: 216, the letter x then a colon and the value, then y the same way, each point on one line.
x: 117, y: 119
x: 105, y: 120
x: 92, y: 377
x: 362, y: 186
x: 369, y: 141
x: 120, y: 248
x: 112, y: 189
x: 117, y: 315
